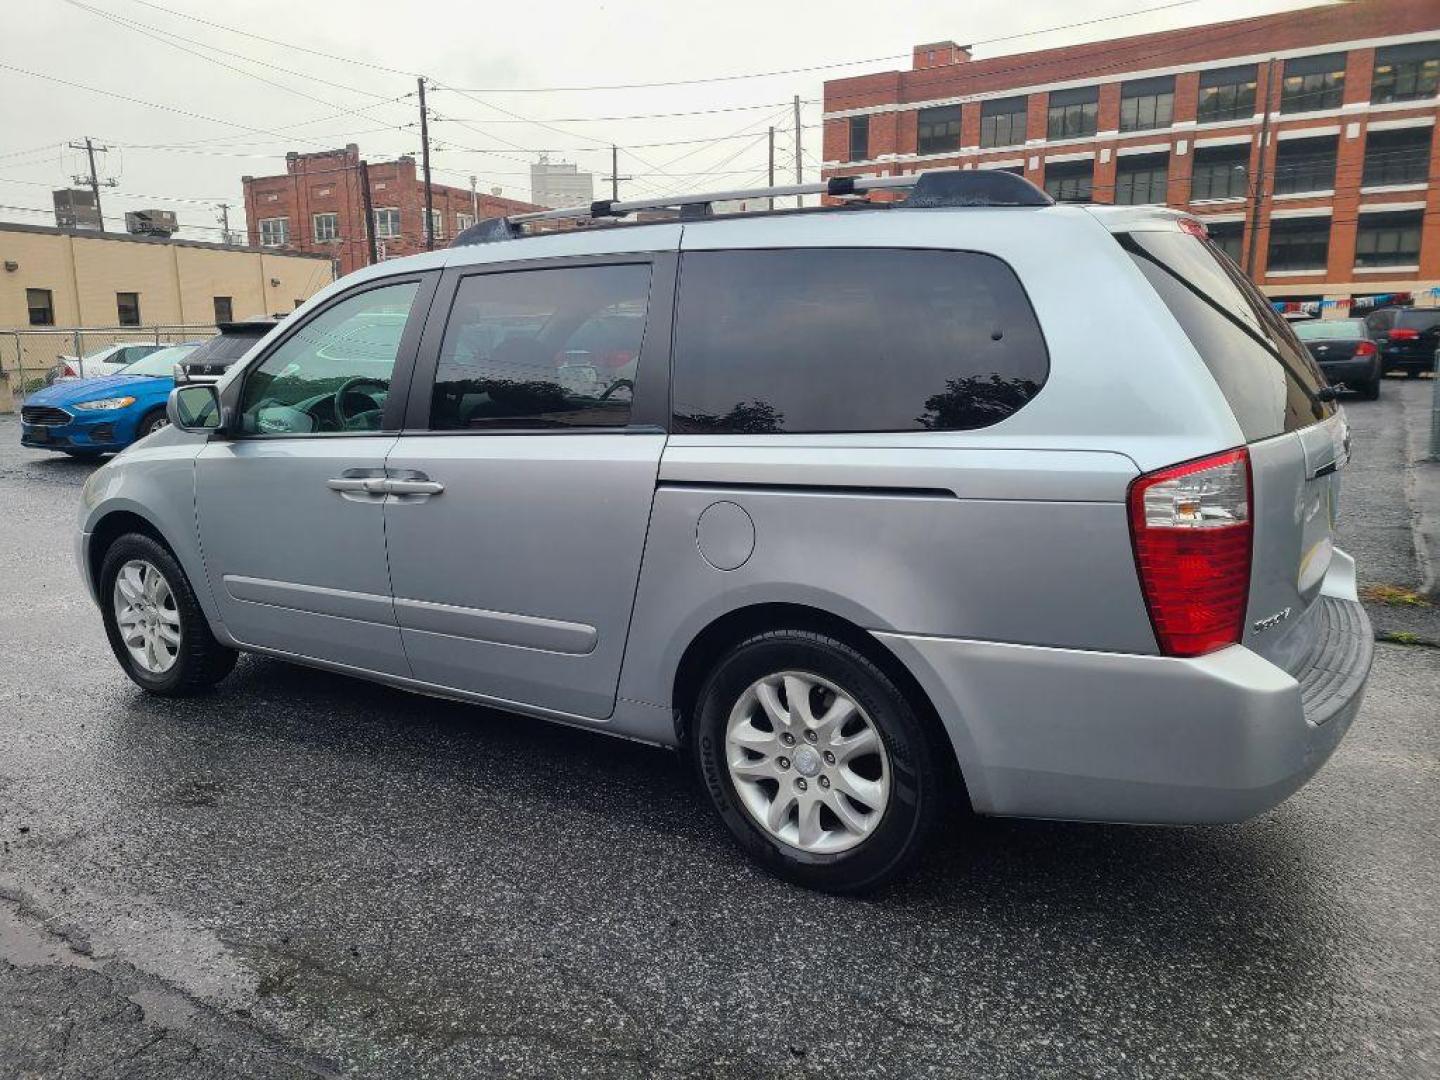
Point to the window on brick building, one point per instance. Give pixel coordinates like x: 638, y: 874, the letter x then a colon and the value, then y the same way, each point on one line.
x: 437, y: 224
x: 326, y: 227
x: 859, y: 133
x: 1299, y: 243
x: 1313, y: 82
x: 938, y: 129
x: 1398, y: 157
x: 1389, y: 239
x: 1226, y: 94
x: 1002, y: 121
x: 127, y: 308
x: 274, y: 232
x: 387, y: 223
x: 41, y: 304
x: 1305, y: 165
x: 1073, y: 113
x: 463, y: 222
x: 1227, y: 236
x: 1070, y: 181
x: 1406, y: 72
x: 1147, y: 103
x: 1142, y: 178
x: 1221, y: 172
x: 224, y: 309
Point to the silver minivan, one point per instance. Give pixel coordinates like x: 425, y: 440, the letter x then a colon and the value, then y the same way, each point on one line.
x: 869, y: 508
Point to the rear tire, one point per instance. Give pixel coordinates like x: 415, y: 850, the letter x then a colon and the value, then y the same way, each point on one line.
x: 838, y: 790
x: 156, y: 627
x: 1414, y: 373
x: 1370, y: 391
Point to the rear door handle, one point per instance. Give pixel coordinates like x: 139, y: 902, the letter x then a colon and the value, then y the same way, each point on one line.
x: 414, y: 487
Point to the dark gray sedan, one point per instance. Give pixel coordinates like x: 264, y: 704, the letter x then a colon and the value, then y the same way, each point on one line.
x: 1345, y: 353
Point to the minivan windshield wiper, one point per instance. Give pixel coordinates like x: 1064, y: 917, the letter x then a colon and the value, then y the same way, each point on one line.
x: 1316, y: 398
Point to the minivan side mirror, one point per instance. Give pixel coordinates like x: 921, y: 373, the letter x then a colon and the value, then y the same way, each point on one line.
x: 195, y: 407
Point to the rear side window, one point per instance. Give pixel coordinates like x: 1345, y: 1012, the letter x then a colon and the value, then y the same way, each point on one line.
x: 849, y: 340
x: 542, y: 349
x: 1269, y: 378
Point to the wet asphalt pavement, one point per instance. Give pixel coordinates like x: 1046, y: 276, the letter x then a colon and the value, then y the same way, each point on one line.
x: 306, y: 875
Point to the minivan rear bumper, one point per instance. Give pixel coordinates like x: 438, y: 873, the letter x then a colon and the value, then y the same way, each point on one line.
x: 1061, y: 733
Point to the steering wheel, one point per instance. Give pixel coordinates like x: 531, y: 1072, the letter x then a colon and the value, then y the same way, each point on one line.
x: 348, y: 421
x: 618, y: 384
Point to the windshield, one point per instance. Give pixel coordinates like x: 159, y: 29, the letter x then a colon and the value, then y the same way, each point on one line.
x: 225, y: 348
x: 1269, y: 379
x: 1329, y: 330
x: 159, y: 365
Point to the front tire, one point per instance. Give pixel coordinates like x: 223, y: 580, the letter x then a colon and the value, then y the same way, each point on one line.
x: 151, y: 423
x: 155, y: 625
x: 816, y: 762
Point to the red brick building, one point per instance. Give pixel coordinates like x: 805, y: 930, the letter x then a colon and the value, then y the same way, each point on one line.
x: 1327, y: 113
x: 318, y: 207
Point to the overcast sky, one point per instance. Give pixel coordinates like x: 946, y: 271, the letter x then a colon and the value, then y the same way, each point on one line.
x: 498, y: 53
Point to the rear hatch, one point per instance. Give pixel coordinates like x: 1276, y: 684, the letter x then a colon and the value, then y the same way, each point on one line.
x: 1295, y: 435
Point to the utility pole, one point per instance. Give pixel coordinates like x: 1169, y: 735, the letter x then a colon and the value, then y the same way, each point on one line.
x: 474, y: 200
x: 1257, y: 195
x: 373, y: 255
x: 615, y: 176
x: 425, y: 163
x: 799, y: 199
x: 772, y: 166
x: 224, y: 220
x: 89, y: 147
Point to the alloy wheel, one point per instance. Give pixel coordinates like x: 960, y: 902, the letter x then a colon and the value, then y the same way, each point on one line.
x: 807, y: 762
x: 148, y: 620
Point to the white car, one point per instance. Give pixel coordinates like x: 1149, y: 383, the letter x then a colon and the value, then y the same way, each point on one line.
x: 106, y: 361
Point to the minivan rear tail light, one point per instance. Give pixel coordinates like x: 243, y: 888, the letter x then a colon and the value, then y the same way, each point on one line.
x: 1404, y: 333
x: 1190, y: 525
x: 1365, y: 348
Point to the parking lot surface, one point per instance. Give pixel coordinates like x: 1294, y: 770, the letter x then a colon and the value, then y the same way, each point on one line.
x: 307, y: 875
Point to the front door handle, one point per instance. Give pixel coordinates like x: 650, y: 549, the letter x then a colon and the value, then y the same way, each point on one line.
x: 373, y: 485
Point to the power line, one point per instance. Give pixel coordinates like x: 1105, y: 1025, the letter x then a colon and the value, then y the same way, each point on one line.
x: 166, y: 37
x: 639, y: 116
x: 276, y: 41
x: 812, y: 67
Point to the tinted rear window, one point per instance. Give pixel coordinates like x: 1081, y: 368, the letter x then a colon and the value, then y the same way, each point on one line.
x: 225, y: 348
x: 1269, y: 378
x: 841, y: 340
x: 1418, y: 320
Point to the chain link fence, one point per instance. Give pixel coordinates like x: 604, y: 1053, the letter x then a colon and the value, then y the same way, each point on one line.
x: 30, y: 359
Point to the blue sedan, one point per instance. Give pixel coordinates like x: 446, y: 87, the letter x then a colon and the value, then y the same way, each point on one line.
x: 89, y: 417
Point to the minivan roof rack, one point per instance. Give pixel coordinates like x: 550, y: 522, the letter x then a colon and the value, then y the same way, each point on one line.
x: 937, y: 188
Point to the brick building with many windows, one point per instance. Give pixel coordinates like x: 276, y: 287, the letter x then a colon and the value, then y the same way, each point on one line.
x: 1328, y: 113
x: 318, y: 207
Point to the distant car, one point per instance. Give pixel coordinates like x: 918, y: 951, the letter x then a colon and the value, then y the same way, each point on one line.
x: 90, y: 417
x: 106, y: 361
x: 213, y: 358
x: 1408, y: 338
x: 1345, y: 353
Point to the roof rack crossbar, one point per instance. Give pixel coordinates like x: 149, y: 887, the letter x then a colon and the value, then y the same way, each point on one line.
x: 938, y: 187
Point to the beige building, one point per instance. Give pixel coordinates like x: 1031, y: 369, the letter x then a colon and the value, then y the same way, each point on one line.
x: 57, y: 279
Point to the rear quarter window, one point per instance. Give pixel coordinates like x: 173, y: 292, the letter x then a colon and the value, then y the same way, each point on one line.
x: 851, y: 340
x: 1267, y: 376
